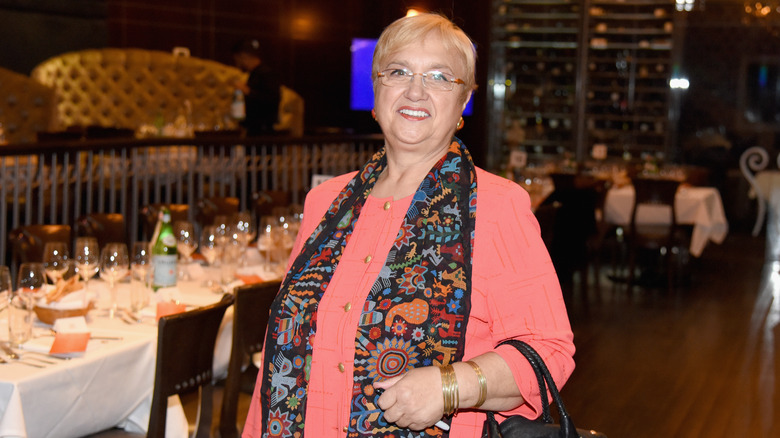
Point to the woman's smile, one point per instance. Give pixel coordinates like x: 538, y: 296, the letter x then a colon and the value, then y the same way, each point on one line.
x: 410, y: 113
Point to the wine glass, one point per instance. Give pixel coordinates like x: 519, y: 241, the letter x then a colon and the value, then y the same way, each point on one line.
x: 5, y: 286
x: 209, y: 246
x: 30, y: 281
x: 266, y: 243
x: 186, y: 245
x: 114, y: 264
x: 55, y: 257
x: 139, y: 271
x: 87, y: 256
x: 245, y: 231
x: 19, y: 310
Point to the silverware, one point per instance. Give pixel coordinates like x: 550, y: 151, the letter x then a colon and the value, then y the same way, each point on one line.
x: 11, y: 354
x: 39, y: 359
x: 106, y: 338
x: 23, y: 362
x: 8, y: 351
x: 47, y: 355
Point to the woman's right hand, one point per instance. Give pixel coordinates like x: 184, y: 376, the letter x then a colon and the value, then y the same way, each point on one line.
x: 413, y: 400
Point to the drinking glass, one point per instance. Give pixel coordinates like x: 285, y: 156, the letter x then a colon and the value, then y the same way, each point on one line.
x: 139, y: 273
x: 209, y: 248
x: 186, y: 245
x: 55, y: 257
x: 187, y: 240
x: 266, y: 243
x: 114, y: 264
x: 30, y: 281
x: 224, y: 230
x: 5, y: 286
x: 245, y: 232
x: 19, y: 310
x: 295, y: 218
x: 87, y: 256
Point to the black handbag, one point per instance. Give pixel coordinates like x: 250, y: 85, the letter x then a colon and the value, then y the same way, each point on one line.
x: 518, y: 426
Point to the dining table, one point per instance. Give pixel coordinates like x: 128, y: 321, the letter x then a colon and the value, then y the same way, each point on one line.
x: 699, y: 206
x: 110, y: 384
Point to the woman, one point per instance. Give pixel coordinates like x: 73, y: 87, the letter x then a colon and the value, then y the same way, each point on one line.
x: 400, y: 288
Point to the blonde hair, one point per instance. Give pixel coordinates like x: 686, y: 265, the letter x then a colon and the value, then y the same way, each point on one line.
x: 409, y: 30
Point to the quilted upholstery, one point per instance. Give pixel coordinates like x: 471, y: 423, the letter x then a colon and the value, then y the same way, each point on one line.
x: 25, y: 106
x: 130, y: 87
x: 290, y: 113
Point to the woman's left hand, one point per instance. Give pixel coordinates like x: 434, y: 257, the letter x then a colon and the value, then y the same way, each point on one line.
x: 413, y: 400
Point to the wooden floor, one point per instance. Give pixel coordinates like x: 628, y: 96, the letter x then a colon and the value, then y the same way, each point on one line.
x: 696, y: 362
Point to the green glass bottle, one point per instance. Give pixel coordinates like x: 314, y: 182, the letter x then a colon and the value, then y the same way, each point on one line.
x: 163, y: 252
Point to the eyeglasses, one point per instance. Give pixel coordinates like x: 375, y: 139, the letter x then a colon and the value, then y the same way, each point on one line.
x: 432, y: 80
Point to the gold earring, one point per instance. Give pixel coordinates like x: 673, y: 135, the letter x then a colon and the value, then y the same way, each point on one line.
x: 460, y: 124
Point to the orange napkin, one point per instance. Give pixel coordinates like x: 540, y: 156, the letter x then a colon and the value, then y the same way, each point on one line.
x: 165, y: 308
x: 67, y: 343
x: 249, y: 279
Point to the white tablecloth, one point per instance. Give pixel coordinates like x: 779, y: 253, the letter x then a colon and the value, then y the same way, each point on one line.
x: 700, y: 206
x: 769, y: 184
x: 111, y: 385
x: 768, y: 181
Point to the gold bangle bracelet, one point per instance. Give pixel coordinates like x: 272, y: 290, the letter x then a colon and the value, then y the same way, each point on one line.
x: 444, y: 390
x: 449, y: 387
x: 482, y: 383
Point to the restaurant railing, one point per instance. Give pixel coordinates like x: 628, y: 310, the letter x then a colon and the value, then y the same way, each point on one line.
x: 58, y: 182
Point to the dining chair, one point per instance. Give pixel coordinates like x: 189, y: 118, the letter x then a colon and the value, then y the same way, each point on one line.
x: 208, y: 208
x: 604, y: 233
x: 264, y: 201
x: 105, y: 227
x: 575, y: 222
x: 546, y: 215
x: 185, y: 356
x: 149, y: 214
x: 250, y: 318
x: 660, y: 238
x: 27, y: 242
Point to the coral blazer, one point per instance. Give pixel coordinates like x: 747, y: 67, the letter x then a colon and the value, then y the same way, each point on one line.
x: 515, y: 294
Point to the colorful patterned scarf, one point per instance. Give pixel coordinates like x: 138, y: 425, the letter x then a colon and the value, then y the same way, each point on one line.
x: 415, y: 314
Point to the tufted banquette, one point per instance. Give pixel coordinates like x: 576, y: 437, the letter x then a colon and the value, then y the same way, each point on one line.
x: 26, y: 107
x: 127, y: 88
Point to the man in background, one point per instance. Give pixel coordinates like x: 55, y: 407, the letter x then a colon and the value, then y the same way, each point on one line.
x: 261, y: 90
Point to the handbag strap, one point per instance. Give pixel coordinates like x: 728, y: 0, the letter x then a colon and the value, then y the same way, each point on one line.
x: 543, y: 375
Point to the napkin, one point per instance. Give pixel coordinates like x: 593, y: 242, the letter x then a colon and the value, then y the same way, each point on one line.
x: 195, y: 270
x: 165, y: 308
x: 72, y: 336
x: 250, y: 275
x: 70, y: 344
x: 249, y: 279
x: 74, y: 300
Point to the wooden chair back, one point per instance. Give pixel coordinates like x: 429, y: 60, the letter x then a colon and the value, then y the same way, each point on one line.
x: 185, y: 356
x: 105, y: 227
x: 250, y: 319
x: 209, y: 208
x: 27, y: 242
x: 265, y: 201
x: 655, y: 192
x: 149, y: 215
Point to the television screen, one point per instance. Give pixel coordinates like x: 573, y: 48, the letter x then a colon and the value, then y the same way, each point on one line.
x: 361, y: 89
